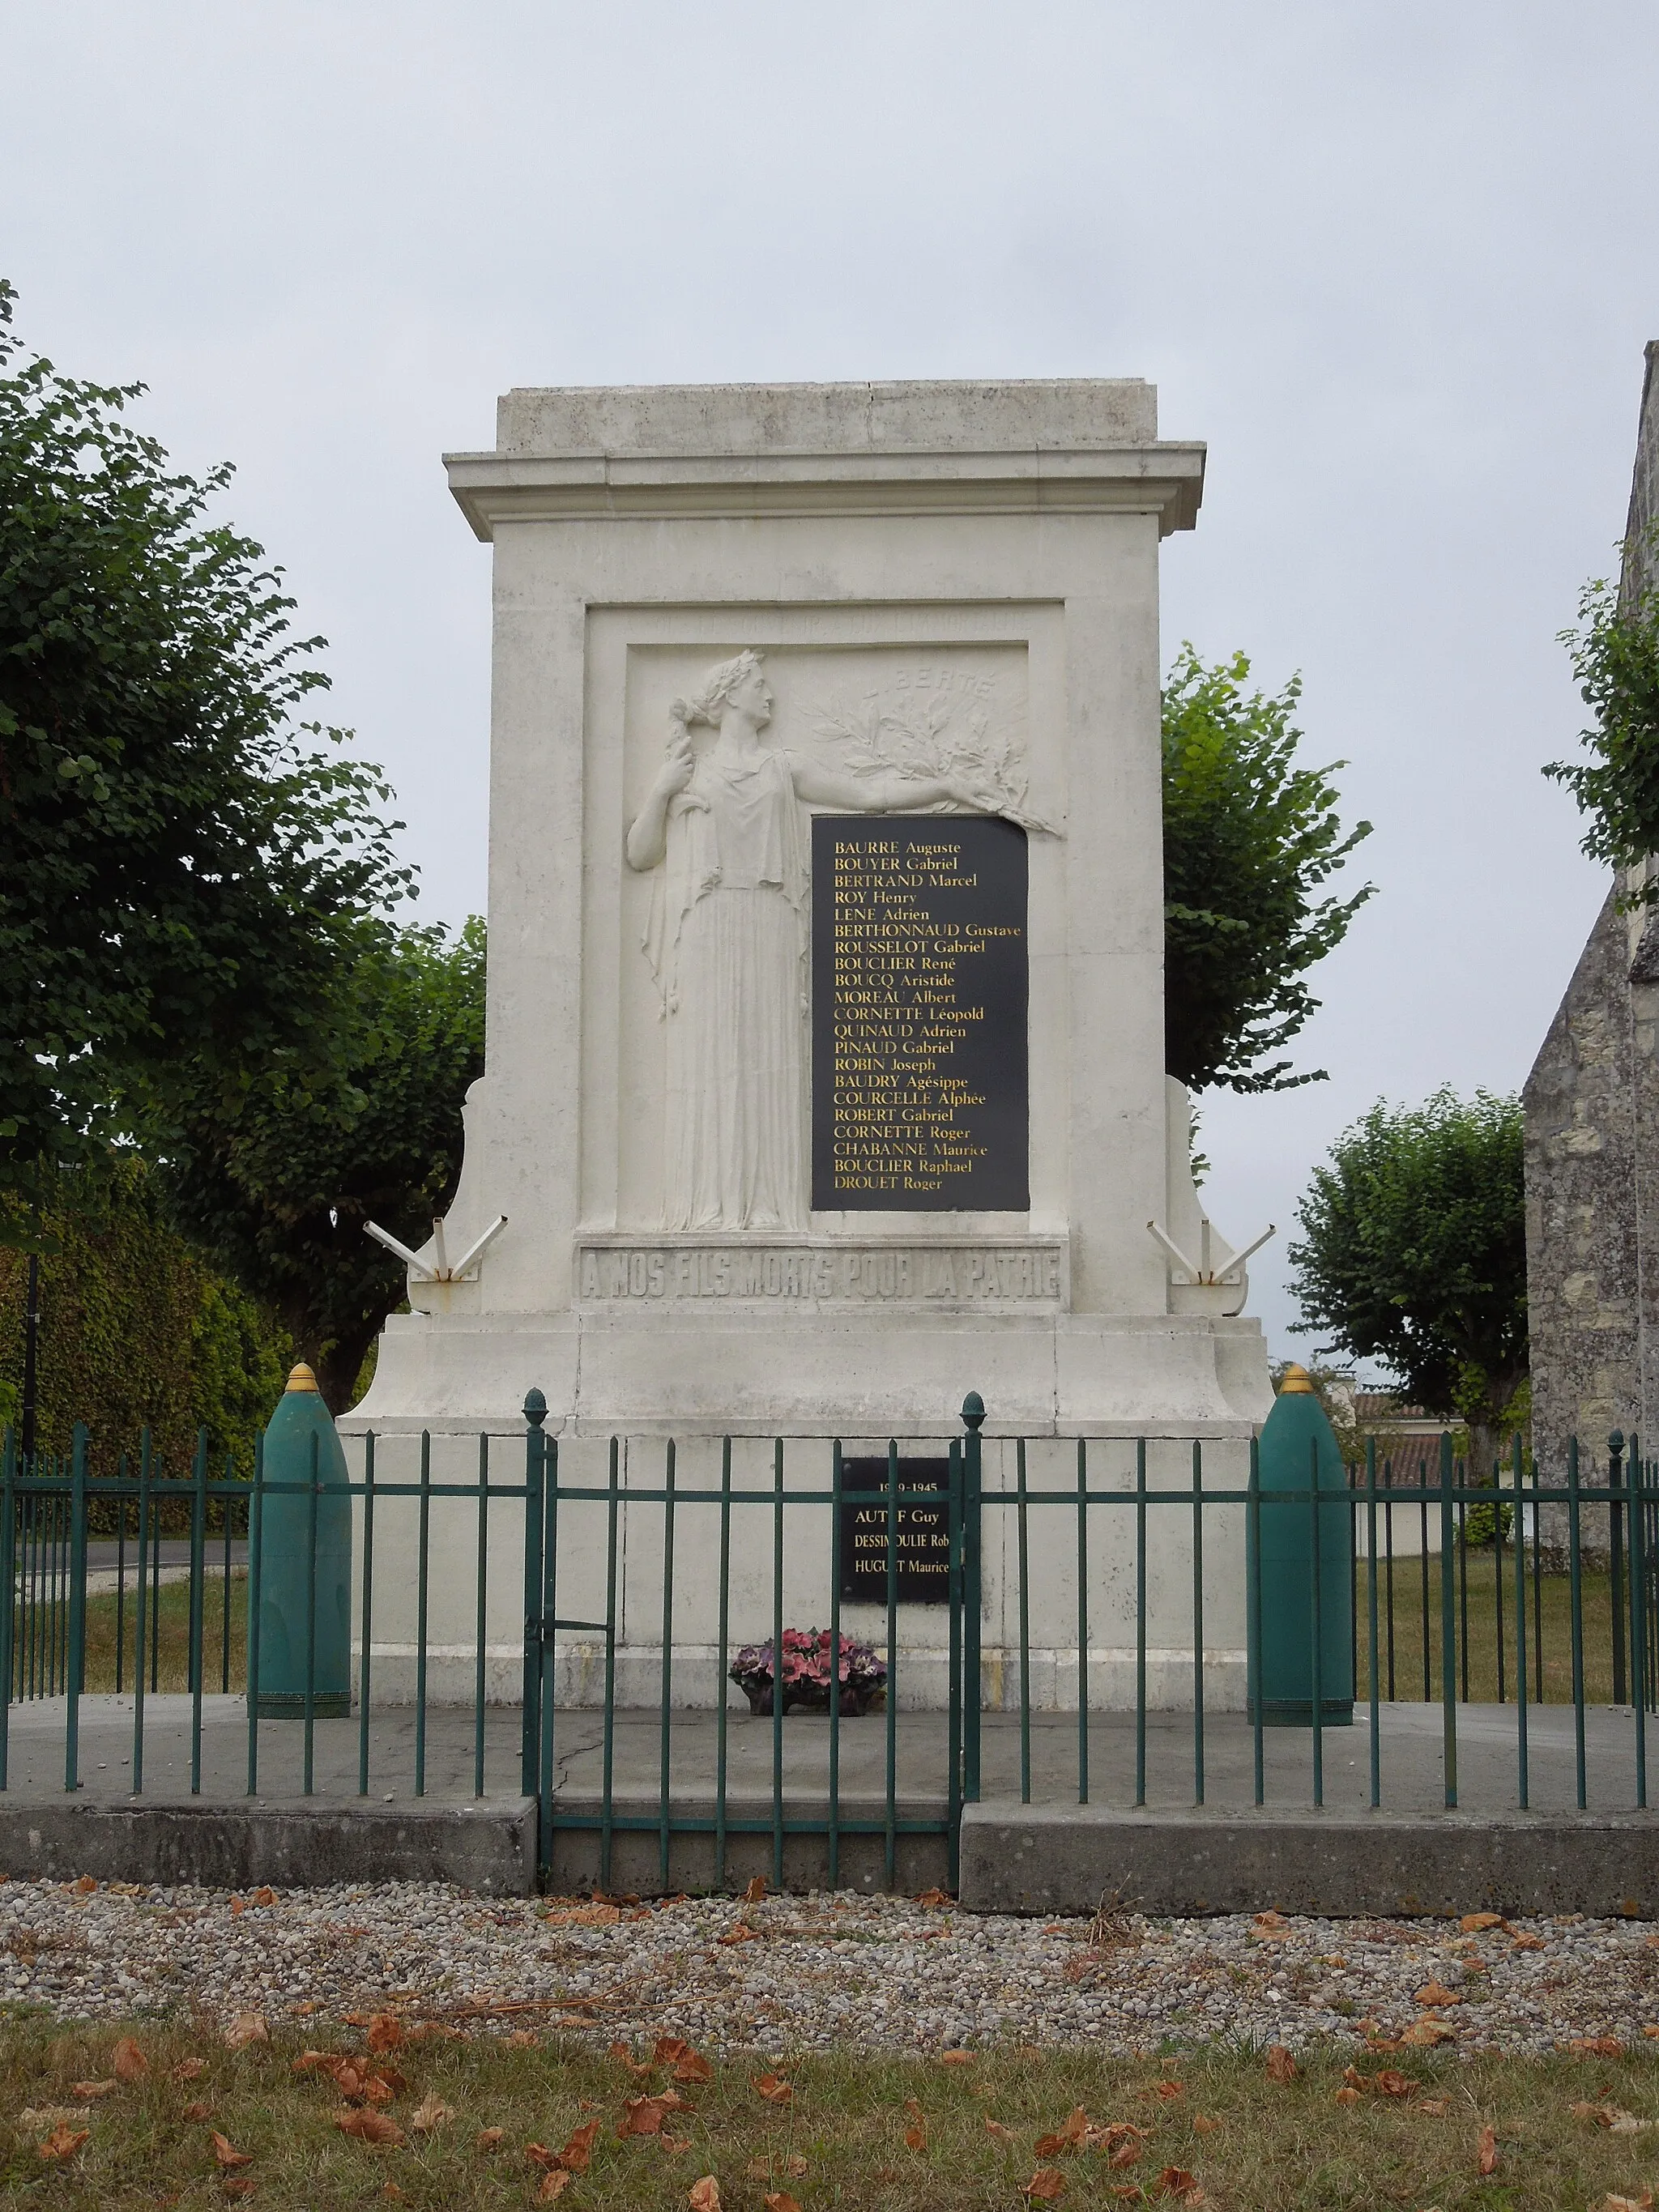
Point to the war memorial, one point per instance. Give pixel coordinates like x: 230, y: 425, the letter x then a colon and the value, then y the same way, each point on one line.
x: 825, y: 1074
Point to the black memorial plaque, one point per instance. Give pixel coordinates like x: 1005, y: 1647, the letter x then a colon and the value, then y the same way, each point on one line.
x: 923, y: 1531
x: 920, y: 985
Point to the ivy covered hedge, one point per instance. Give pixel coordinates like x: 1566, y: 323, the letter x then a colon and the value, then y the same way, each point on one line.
x: 137, y: 1330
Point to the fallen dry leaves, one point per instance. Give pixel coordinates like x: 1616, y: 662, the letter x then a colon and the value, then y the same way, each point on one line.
x: 578, y: 2154
x: 766, y: 2169
x: 1047, y: 2183
x: 755, y: 1891
x: 1613, y: 2117
x: 779, y: 2200
x: 61, y: 2145
x: 87, y: 2093
x: 1595, y: 2046
x: 1281, y: 2066
x: 935, y: 1900
x: 1175, y: 2181
x: 1641, y: 2203
x: 1203, y: 2125
x: 644, y: 2116
x: 915, y: 2135
x: 1485, y: 2151
x: 773, y: 2087
x: 1437, y: 1995
x: 429, y: 2114
x: 199, y: 2111
x: 226, y: 2154
x: 367, y: 2126
x: 187, y: 2070
x: 1476, y: 1923
x: 554, y: 2185
x: 705, y: 2195
x: 246, y: 2027
x: 489, y: 2139
x: 127, y: 2061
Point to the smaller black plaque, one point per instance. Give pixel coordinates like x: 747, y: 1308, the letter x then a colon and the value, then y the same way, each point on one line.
x: 923, y: 1531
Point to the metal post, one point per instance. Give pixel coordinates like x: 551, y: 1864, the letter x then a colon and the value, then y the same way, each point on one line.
x: 607, y: 1810
x: 481, y: 1617
x: 1370, y: 1616
x: 1198, y: 1622
x: 1316, y: 1620
x: 312, y: 1489
x: 7, y: 1596
x: 725, y: 1631
x: 1140, y: 1620
x: 1082, y: 1625
x: 889, y: 1840
x: 1025, y: 1638
x: 777, y: 1667
x: 1616, y: 1560
x: 1638, y: 1693
x: 422, y: 1585
x: 1447, y: 1628
x: 953, y: 1807
x: 143, y: 1620
x: 255, y: 1531
x: 549, y: 1650
x: 75, y: 1677
x: 535, y: 1413
x: 973, y: 1415
x: 835, y: 1666
x: 197, y: 1607
x: 1518, y: 1468
x: 365, y: 1660
x: 1253, y: 1618
x: 663, y: 1836
x: 1575, y: 1583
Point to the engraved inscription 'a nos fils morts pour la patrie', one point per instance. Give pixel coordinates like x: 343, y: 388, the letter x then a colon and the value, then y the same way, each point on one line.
x: 918, y: 980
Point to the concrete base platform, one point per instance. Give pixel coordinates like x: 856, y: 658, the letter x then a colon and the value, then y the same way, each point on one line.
x: 487, y: 1847
x: 1064, y: 1859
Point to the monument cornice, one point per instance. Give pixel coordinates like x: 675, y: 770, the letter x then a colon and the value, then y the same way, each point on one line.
x: 1165, y: 479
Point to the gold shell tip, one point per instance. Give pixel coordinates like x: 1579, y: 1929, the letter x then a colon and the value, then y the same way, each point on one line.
x: 1293, y: 1378
x: 301, y: 1379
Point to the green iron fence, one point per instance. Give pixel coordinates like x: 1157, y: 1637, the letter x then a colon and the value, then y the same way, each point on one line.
x: 1485, y: 1608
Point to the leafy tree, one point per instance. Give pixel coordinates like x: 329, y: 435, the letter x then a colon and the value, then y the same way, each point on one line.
x: 1414, y: 1253
x: 183, y: 875
x: 137, y: 1330
x: 1615, y: 658
x: 1249, y: 837
x: 277, y: 1182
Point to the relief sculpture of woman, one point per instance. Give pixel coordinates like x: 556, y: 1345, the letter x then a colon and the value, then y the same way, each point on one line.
x: 725, y: 831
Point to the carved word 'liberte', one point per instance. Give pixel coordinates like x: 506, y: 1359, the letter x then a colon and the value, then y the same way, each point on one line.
x: 692, y: 1272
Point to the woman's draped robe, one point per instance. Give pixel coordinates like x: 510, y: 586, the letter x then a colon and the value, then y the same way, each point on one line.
x: 726, y: 941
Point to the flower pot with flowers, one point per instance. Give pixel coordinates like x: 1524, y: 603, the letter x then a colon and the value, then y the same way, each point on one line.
x: 807, y: 1671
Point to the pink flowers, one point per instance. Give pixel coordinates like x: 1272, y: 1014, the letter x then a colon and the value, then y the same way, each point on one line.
x: 808, y: 1665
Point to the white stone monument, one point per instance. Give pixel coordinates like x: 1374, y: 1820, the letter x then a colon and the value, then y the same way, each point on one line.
x: 824, y: 1078
x: 719, y: 612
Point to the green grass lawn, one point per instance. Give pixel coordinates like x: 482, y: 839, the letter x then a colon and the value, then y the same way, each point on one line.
x: 1555, y: 1603
x: 856, y: 2131
x: 168, y: 1658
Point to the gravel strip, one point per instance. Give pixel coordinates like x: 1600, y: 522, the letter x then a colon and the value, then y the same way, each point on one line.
x: 798, y: 1972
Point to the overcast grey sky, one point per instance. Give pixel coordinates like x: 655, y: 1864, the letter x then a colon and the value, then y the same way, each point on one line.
x: 1395, y: 263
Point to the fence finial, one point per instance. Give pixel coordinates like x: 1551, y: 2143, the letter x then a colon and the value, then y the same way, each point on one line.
x: 300, y: 1377
x: 1296, y: 1378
